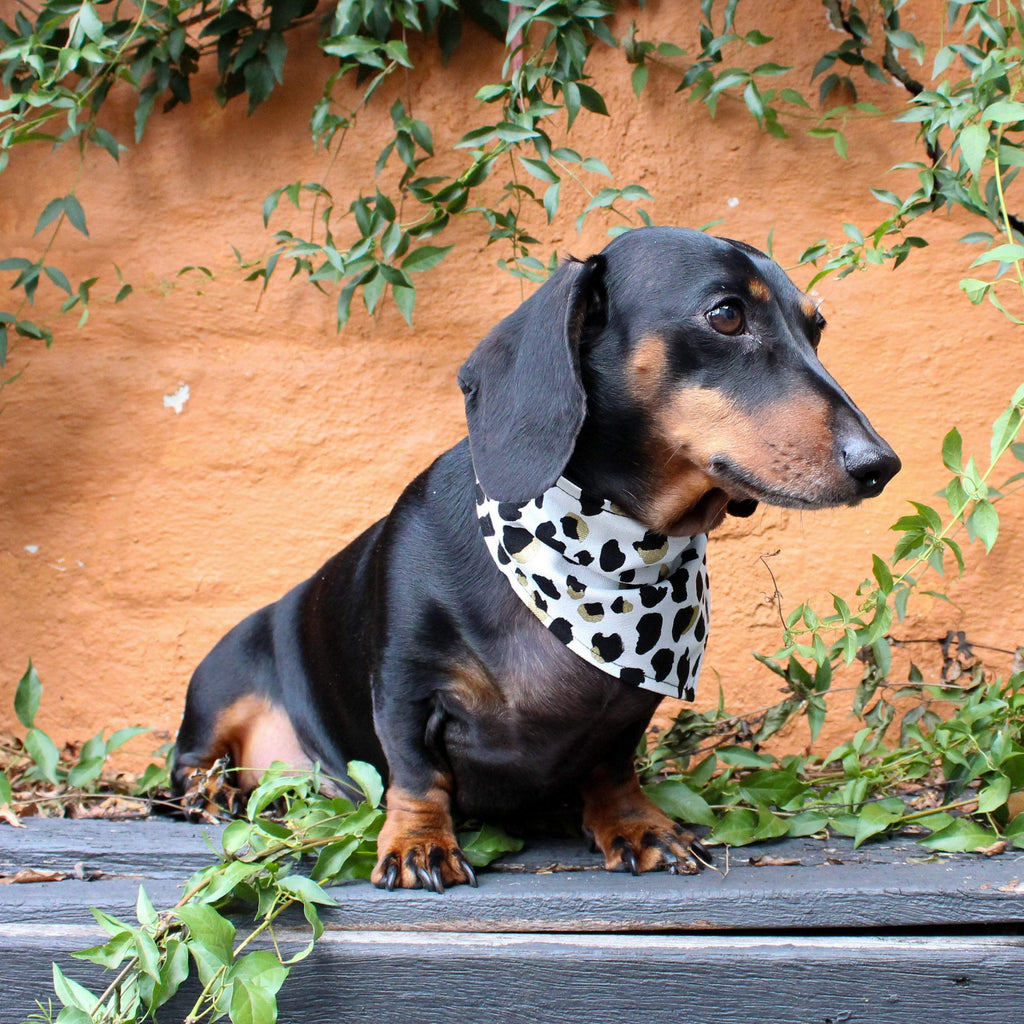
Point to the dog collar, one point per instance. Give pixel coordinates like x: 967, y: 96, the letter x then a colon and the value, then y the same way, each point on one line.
x: 632, y: 602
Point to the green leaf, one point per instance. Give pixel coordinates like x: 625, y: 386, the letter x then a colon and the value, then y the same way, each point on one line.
x: 145, y: 912
x: 209, y: 930
x: 27, y: 697
x: 1004, y: 431
x: 993, y: 796
x: 53, y: 209
x: 875, y: 818
x: 306, y: 890
x: 961, y: 836
x: 882, y: 574
x: 367, y: 778
x: 111, y: 953
x: 678, y: 801
x: 228, y: 878
x: 771, y: 787
x: 551, y: 197
x: 424, y: 258
x: 332, y: 858
x: 983, y: 523
x: 591, y: 99
x: 638, y: 79
x: 70, y: 993
x: 75, y: 214
x: 736, y: 828
x: 952, y: 451
x: 769, y: 825
x: 539, y: 169
x: 807, y: 823
x: 405, y: 300
x: 1004, y: 112
x: 1005, y: 253
x: 121, y: 736
x: 6, y: 792
x: 59, y: 278
x: 251, y: 1005
x: 743, y: 757
x: 974, y: 146
x: 44, y: 753
x: 89, y: 22
x: 255, y: 980
x: 487, y: 844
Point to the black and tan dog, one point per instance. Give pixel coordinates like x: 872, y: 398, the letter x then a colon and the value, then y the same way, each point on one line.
x: 674, y: 374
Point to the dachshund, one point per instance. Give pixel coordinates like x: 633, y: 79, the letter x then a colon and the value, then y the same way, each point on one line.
x: 500, y: 640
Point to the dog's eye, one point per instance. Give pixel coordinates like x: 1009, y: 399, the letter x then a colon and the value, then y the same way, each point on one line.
x: 727, y: 318
x: 817, y: 326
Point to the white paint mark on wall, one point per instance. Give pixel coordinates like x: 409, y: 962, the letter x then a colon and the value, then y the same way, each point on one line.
x: 733, y: 201
x: 178, y: 399
x: 32, y: 549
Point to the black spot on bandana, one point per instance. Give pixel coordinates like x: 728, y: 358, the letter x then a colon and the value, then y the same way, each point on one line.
x: 662, y: 663
x: 515, y: 538
x: 628, y: 576
x: 547, y: 587
x: 681, y: 623
x: 571, y: 527
x: 562, y: 629
x: 486, y: 526
x: 589, y: 506
x: 699, y: 585
x: 609, y: 646
x: 700, y: 629
x: 648, y: 632
x: 539, y: 601
x: 509, y: 511
x: 612, y: 557
x: 546, y: 533
x: 619, y: 605
x: 632, y: 676
x: 651, y: 595
x: 680, y: 581
x: 683, y: 671
x: 503, y: 558
x: 584, y: 557
x: 575, y: 587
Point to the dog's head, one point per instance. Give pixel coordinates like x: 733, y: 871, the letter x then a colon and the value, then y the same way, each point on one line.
x: 675, y: 374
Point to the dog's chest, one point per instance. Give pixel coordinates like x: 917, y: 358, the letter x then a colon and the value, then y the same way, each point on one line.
x: 532, y: 712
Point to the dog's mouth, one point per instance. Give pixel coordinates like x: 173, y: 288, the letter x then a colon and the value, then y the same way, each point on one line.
x: 746, y: 491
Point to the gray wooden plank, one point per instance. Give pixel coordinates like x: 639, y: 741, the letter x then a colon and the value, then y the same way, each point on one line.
x: 153, y: 848
x: 442, y: 978
x: 887, y: 885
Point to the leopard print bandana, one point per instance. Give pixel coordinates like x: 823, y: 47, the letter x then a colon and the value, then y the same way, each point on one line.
x: 632, y: 602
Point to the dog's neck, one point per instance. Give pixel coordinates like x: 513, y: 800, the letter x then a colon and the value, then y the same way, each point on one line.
x: 630, y: 601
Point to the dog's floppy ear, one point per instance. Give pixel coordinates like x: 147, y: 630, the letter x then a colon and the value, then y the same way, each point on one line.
x: 524, y: 400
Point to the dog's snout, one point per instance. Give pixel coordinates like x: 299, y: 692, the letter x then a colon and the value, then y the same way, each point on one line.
x: 871, y: 463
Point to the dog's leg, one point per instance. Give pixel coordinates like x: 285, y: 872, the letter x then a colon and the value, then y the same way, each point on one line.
x: 416, y: 847
x: 632, y: 833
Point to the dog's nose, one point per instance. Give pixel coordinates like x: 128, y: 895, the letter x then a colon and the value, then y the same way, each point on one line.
x: 872, y: 464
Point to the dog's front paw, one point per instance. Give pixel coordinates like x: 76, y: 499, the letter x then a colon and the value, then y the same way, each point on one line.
x: 651, y: 843
x: 414, y: 863
x: 417, y: 848
x: 633, y: 833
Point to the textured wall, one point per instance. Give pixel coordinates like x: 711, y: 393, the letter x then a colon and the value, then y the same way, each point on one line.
x: 132, y: 536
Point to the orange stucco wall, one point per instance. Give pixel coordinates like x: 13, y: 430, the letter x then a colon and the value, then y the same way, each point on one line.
x: 132, y: 537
